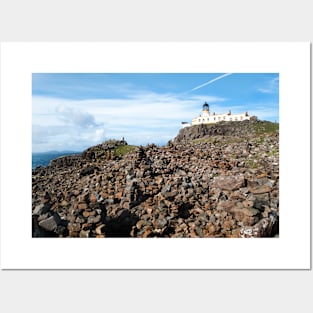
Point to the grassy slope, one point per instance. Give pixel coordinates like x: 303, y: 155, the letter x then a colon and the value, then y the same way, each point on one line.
x: 122, y: 150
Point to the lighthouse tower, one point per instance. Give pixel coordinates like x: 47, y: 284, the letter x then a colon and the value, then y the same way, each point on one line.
x: 205, y: 109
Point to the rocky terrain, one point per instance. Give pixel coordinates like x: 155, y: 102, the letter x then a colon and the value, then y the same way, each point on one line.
x: 217, y: 180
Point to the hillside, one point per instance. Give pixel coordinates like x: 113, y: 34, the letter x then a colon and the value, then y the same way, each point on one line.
x: 210, y: 181
x: 242, y: 129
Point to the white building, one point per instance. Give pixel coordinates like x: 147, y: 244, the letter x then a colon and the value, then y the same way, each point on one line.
x: 211, y: 118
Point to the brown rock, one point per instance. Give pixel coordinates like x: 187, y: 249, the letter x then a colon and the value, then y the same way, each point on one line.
x: 82, y: 206
x: 100, y: 229
x: 160, y: 223
x: 71, y: 218
x: 260, y: 189
x: 80, y: 219
x: 119, y: 195
x: 250, y: 211
x: 159, y: 180
x: 93, y: 198
x: 100, y: 236
x: 73, y: 227
x: 262, y: 175
x: 227, y: 205
x: 76, y: 192
x: 139, y: 224
x: 147, y: 232
x: 64, y: 203
x: 126, y: 205
x: 211, y: 228
x: 248, y: 216
x: 84, y: 233
x: 149, y: 210
x: 229, y: 183
x: 236, y: 232
x: 94, y: 219
x: 86, y: 213
x: 247, y: 203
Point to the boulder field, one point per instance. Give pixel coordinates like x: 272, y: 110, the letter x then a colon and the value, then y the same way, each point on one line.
x: 217, y: 180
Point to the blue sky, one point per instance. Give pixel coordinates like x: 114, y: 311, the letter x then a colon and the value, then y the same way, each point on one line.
x: 76, y: 111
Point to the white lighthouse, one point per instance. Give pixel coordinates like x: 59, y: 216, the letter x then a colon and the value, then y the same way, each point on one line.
x: 206, y: 117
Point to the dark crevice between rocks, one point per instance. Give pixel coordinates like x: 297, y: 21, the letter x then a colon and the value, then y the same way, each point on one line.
x: 121, y: 225
x: 275, y: 229
x: 184, y: 210
x: 168, y: 231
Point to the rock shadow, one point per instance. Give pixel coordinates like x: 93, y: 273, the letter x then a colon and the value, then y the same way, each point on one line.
x: 275, y: 229
x: 121, y: 225
x: 184, y: 210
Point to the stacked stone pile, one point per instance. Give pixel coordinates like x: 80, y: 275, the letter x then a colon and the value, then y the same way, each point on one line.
x: 217, y: 186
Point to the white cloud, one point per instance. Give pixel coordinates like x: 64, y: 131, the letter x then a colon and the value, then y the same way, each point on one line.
x: 210, y: 81
x: 60, y: 124
x: 141, y: 119
x: 77, y: 118
x: 271, y: 87
x: 268, y: 111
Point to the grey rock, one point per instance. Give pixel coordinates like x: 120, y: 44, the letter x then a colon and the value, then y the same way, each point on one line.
x: 51, y: 223
x: 41, y: 209
x: 160, y: 223
x: 94, y: 219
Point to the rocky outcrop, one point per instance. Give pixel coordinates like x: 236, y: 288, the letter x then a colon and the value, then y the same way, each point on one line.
x: 66, y: 161
x: 232, y: 129
x: 216, y: 186
x: 105, y: 150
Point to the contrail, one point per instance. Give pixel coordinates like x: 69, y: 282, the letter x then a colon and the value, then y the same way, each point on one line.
x: 211, y: 81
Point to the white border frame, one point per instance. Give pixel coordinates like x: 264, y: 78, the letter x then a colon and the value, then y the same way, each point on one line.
x: 20, y: 251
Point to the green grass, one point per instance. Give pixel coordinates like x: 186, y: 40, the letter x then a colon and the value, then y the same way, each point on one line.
x: 274, y: 152
x: 267, y: 127
x: 203, y: 140
x: 122, y: 150
x: 260, y: 140
x: 251, y: 164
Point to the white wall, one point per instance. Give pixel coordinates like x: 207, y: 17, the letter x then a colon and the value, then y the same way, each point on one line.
x: 212, y: 119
